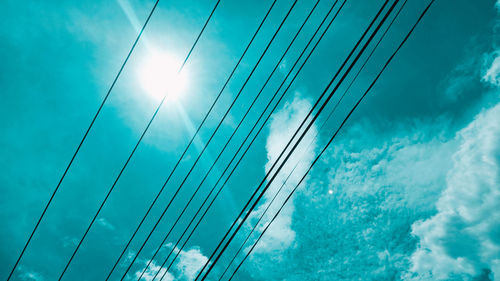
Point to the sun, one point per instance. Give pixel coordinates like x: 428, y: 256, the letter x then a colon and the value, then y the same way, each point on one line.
x: 159, y: 76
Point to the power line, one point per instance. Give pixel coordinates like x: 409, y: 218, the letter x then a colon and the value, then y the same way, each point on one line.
x: 334, y: 135
x: 296, y: 144
x: 185, y: 150
x: 215, y: 131
x: 189, y: 144
x: 260, y: 129
x: 227, y: 143
x: 83, y: 139
x: 133, y: 150
x: 312, y: 141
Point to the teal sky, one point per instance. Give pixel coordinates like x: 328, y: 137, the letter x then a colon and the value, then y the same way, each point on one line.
x: 408, y: 191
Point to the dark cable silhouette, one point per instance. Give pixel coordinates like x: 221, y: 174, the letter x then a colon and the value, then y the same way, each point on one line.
x: 188, y: 146
x: 226, y: 145
x: 182, y: 155
x: 133, y: 151
x: 254, y: 138
x: 333, y: 137
x: 83, y: 140
x: 210, y: 139
x: 298, y: 141
x: 314, y: 138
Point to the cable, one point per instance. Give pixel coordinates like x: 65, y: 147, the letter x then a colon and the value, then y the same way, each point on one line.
x: 296, y: 144
x: 334, y: 135
x: 189, y: 144
x: 227, y: 143
x: 184, y: 152
x: 262, y: 124
x: 314, y: 138
x: 211, y: 137
x: 132, y: 153
x: 257, y: 223
x: 82, y: 140
x: 260, y: 129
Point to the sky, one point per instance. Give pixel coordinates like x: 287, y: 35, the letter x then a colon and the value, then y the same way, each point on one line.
x: 408, y: 190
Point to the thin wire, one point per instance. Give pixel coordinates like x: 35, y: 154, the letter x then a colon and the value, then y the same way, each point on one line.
x: 225, y: 146
x: 183, y: 153
x: 186, y: 149
x: 295, y: 145
x: 211, y: 137
x: 132, y: 153
x: 260, y: 129
x: 314, y: 138
x: 262, y: 126
x: 333, y: 137
x: 83, y: 139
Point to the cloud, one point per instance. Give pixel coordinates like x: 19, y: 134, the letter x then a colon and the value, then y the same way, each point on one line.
x: 151, y: 272
x: 419, y: 202
x: 186, y: 266
x: 282, y: 126
x: 103, y: 222
x: 463, y: 238
x: 30, y: 276
x: 356, y: 208
x: 492, y: 74
x: 353, y: 217
x: 190, y: 262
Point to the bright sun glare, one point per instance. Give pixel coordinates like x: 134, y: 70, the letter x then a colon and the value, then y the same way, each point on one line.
x: 159, y: 76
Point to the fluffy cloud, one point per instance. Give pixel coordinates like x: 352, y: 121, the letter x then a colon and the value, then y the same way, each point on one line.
x: 186, y: 266
x: 463, y: 238
x: 357, y: 207
x: 151, y: 272
x: 190, y: 262
x: 417, y: 203
x: 352, y: 221
x: 282, y: 127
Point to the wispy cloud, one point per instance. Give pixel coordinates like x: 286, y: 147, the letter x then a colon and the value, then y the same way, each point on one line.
x: 492, y: 74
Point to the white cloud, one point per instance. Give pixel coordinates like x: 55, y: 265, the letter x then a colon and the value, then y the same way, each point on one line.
x: 186, y: 266
x: 31, y: 276
x: 190, y: 262
x: 283, y: 124
x: 105, y: 224
x: 492, y: 73
x: 414, y: 204
x: 151, y: 272
x: 353, y: 217
x: 463, y: 238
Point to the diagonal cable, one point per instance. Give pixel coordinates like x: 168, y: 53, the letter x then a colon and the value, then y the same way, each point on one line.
x: 260, y: 129
x: 132, y: 153
x: 213, y: 134
x: 297, y: 142
x: 313, y: 139
x: 334, y: 135
x: 225, y: 146
x: 82, y: 140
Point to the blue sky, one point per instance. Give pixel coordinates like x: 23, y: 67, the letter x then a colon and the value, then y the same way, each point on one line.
x: 407, y: 191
